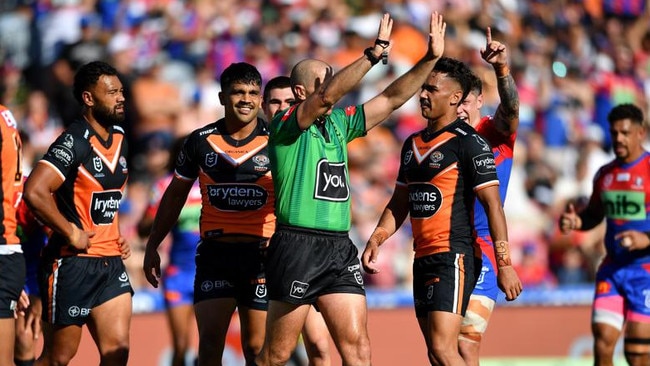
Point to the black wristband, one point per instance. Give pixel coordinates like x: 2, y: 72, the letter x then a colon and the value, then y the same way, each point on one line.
x: 373, y: 60
x: 381, y: 43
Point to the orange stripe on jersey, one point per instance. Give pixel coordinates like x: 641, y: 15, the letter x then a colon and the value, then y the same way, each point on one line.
x: 422, y: 149
x: 237, y: 155
x: 110, y: 156
x: 12, y: 176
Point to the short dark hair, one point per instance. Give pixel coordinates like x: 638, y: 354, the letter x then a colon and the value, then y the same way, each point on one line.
x: 476, y: 84
x: 626, y: 111
x: 240, y: 72
x: 87, y: 75
x: 278, y: 82
x: 456, y: 70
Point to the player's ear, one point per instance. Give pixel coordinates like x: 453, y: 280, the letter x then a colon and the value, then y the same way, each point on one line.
x: 87, y: 98
x: 456, y: 97
x: 300, y: 91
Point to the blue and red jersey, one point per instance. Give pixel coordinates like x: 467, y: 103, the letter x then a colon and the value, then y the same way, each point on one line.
x: 623, y: 193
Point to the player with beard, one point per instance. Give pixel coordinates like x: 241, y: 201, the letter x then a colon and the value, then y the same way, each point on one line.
x: 75, y: 189
x: 621, y: 197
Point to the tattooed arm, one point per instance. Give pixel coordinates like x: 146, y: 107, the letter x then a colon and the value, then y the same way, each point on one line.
x: 507, y: 115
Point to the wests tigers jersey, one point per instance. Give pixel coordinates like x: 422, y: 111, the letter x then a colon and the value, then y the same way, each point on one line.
x: 235, y: 180
x: 442, y: 171
x: 12, y: 177
x: 94, y: 174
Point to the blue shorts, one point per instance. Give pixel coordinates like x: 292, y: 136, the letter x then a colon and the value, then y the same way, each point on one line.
x: 627, y: 282
x: 178, y: 286
x: 486, y: 285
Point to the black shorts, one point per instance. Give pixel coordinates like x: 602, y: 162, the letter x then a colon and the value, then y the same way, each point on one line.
x: 304, y: 264
x: 12, y: 280
x: 72, y: 286
x: 444, y: 282
x: 231, y: 270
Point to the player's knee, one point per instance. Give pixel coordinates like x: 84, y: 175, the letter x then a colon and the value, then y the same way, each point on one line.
x: 116, y: 356
x: 637, y: 351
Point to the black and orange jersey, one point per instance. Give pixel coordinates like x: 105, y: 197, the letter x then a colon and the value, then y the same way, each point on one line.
x: 442, y: 171
x: 12, y: 177
x: 235, y: 180
x: 94, y: 174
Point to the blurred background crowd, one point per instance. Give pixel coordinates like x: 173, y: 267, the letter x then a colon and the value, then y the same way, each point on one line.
x: 572, y: 61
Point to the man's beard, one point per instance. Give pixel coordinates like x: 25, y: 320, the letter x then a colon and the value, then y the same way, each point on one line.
x: 107, y: 117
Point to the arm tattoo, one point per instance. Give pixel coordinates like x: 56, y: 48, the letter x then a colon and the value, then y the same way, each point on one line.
x: 502, y: 253
x: 509, y: 97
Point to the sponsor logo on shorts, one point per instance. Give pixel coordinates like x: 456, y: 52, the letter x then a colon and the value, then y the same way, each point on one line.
x: 13, y: 305
x: 104, y: 206
x: 260, y: 291
x: 358, y: 277
x: 603, y: 287
x: 430, y: 292
x: 646, y: 301
x: 124, y: 277
x: 425, y: 199
x: 331, y: 181
x: 237, y: 197
x: 299, y: 289
x: 207, y: 285
x: 75, y: 311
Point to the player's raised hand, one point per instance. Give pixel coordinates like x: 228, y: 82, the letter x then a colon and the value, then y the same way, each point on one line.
x: 495, y: 53
x: 437, y: 29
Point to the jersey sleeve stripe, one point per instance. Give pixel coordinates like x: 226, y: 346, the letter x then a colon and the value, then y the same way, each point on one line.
x: 179, y: 176
x: 486, y: 184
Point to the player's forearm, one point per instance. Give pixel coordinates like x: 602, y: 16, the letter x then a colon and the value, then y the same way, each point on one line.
x: 347, y: 78
x: 166, y: 217
x: 44, y: 208
x: 509, y: 97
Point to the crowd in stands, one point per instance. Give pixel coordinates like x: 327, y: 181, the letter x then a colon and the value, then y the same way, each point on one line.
x: 572, y: 60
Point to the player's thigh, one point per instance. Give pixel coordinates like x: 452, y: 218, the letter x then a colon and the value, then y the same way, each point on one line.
x: 253, y: 325
x: 637, y: 337
x: 476, y: 318
x: 443, y: 327
x: 345, y: 315
x: 61, y: 342
x: 213, y: 318
x: 315, y: 328
x: 181, y: 320
x: 110, y: 322
x: 7, y: 333
x: 284, y: 323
